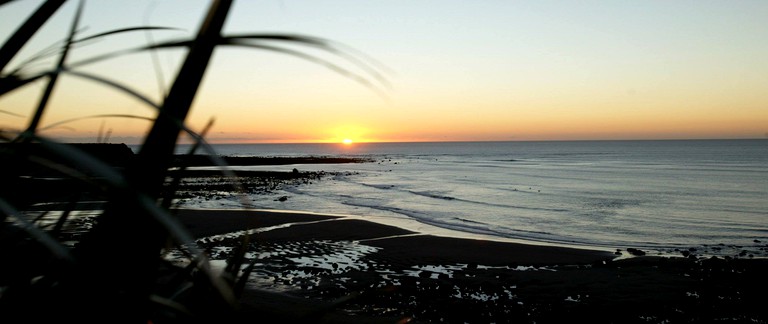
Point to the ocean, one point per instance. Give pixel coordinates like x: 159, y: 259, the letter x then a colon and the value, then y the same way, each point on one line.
x: 710, y: 196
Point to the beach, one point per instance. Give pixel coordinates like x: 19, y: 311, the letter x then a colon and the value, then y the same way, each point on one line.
x: 328, y: 267
x: 663, y: 197
x: 319, y: 268
x: 335, y: 268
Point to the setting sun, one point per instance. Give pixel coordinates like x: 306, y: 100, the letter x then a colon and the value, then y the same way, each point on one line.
x: 347, y: 141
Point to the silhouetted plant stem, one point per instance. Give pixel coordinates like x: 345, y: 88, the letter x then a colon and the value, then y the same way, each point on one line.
x: 156, y: 153
x: 117, y: 268
x: 55, y: 76
x: 170, y: 192
x: 25, y: 32
x: 124, y: 219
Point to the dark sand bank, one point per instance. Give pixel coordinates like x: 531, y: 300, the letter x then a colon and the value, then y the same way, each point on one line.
x: 330, y: 269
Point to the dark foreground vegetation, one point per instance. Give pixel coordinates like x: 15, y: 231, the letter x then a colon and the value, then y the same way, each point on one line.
x: 115, y: 270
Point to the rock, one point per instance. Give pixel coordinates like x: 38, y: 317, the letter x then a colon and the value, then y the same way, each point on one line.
x: 636, y: 252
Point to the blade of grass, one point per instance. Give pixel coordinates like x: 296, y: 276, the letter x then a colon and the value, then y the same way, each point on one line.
x: 159, y: 77
x: 12, y: 84
x: 180, y: 233
x: 350, y: 54
x: 52, y: 81
x: 171, y: 304
x: 38, y: 58
x: 11, y: 113
x: 171, y: 188
x: 56, y: 48
x: 40, y: 217
x: 64, y: 216
x: 139, y: 214
x: 123, y: 30
x: 58, y: 250
x: 25, y: 32
x: 333, y: 67
x: 59, y: 123
x: 246, y: 273
x: 155, y: 154
x: 115, y: 182
x: 115, y: 85
x: 217, y: 160
x: 106, y: 136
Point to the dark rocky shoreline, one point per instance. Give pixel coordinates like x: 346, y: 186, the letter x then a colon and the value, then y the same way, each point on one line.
x: 30, y: 183
x: 205, y: 160
x: 210, y: 184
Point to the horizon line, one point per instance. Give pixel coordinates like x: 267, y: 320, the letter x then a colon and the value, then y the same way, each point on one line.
x: 485, y: 141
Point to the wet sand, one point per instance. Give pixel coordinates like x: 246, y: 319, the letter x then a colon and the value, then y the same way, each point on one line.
x: 333, y: 269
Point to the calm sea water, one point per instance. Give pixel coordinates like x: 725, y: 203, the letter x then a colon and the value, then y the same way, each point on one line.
x: 656, y: 195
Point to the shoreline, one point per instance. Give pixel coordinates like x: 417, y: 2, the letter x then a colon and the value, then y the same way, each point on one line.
x: 328, y: 268
x: 202, y: 184
x: 406, y: 224
x: 200, y: 222
x: 703, y: 251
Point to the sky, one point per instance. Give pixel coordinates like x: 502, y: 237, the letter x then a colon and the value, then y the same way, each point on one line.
x: 454, y: 71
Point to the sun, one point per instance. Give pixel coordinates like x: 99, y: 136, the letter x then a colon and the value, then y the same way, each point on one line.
x: 347, y: 141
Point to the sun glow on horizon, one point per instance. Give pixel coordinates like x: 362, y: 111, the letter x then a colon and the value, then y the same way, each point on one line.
x: 347, y: 141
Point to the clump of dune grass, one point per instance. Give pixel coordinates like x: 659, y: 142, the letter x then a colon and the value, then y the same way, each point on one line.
x: 115, y: 271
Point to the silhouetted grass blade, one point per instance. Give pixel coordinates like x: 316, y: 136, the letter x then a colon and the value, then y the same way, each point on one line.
x: 25, y: 31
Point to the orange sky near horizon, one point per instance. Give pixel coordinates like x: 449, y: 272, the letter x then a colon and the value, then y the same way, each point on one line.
x: 490, y: 71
